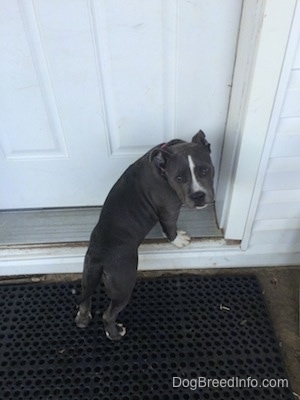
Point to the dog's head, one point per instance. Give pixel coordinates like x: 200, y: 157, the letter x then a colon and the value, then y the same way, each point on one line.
x: 188, y: 169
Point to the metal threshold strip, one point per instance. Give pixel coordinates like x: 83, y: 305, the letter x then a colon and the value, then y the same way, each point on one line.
x: 74, y: 225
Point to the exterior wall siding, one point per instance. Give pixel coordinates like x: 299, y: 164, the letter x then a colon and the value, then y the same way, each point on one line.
x: 277, y: 220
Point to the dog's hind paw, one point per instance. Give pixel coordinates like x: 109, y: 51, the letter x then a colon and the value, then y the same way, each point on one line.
x: 181, y: 240
x: 82, y: 320
x: 117, y: 333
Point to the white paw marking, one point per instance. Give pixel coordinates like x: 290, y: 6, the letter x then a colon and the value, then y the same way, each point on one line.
x: 121, y: 329
x: 79, y: 315
x: 181, y: 240
x: 79, y: 323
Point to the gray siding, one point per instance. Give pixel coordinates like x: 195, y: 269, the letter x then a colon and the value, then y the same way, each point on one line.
x: 277, y: 221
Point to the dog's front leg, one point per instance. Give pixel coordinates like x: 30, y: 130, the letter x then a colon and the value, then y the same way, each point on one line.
x: 169, y: 226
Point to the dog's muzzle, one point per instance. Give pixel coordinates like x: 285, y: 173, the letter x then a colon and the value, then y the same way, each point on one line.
x: 200, y: 199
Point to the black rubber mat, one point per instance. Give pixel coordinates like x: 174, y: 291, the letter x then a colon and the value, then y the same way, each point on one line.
x: 187, y: 338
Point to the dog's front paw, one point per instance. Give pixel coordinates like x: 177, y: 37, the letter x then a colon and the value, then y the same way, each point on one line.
x: 181, y: 240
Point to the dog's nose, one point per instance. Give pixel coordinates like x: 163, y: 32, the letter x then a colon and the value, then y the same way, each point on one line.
x: 197, y: 196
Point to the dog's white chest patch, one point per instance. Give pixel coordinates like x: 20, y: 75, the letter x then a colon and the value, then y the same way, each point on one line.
x: 196, y: 187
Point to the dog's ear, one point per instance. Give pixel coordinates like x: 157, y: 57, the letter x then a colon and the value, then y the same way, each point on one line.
x: 200, y: 138
x: 160, y: 157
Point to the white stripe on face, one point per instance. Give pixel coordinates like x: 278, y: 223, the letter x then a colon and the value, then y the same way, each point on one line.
x: 196, y: 187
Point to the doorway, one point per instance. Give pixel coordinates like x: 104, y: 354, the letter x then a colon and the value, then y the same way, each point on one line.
x: 89, y: 86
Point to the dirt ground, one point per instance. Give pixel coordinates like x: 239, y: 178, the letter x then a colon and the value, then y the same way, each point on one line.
x: 281, y: 288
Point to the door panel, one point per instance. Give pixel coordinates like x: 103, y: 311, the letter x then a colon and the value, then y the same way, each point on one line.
x: 87, y: 86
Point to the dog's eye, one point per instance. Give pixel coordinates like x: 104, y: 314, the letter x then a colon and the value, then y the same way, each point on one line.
x: 178, y: 178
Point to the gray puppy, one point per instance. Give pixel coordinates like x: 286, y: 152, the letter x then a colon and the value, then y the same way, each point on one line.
x: 152, y: 189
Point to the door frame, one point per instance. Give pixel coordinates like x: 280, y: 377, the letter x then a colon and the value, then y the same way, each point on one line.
x: 257, y: 74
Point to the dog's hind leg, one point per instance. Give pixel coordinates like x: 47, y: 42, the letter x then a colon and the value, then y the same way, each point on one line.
x: 119, y: 288
x: 91, y: 277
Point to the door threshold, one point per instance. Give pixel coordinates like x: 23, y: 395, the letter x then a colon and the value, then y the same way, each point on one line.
x: 55, y: 241
x: 57, y: 258
x: 73, y: 226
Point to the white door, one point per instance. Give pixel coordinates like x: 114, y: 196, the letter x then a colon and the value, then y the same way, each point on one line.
x: 87, y: 86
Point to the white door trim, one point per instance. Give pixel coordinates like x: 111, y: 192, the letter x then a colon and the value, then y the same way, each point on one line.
x: 264, y: 36
x: 200, y: 254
